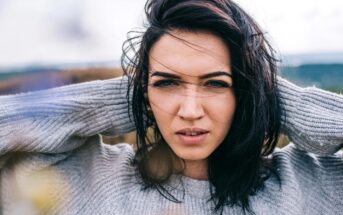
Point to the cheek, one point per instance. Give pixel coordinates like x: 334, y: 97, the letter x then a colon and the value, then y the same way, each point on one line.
x: 221, y: 112
x: 162, y: 104
x: 222, y: 108
x: 162, y: 108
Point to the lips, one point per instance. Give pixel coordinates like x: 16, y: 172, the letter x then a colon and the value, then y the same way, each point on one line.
x: 192, y: 131
x: 192, y: 135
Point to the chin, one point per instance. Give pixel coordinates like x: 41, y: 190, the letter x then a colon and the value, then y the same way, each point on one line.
x: 192, y: 157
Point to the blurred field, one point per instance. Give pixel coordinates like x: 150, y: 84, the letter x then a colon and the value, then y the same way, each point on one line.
x: 43, y: 80
x: 326, y: 76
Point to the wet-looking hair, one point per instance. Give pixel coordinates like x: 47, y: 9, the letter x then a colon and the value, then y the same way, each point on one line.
x: 238, y: 168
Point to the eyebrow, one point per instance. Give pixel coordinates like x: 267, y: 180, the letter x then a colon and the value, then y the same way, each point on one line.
x: 205, y: 76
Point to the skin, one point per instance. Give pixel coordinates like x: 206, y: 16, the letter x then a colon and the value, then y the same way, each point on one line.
x: 190, y: 100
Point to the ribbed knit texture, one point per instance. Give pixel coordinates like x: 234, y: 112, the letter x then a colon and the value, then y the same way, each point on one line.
x: 49, y: 141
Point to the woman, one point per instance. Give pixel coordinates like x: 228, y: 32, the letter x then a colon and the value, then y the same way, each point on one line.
x: 204, y: 81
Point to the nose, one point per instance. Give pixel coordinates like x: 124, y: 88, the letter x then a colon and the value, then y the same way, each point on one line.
x: 191, y: 107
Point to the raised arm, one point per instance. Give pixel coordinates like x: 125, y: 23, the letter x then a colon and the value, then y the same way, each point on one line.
x: 313, y: 118
x: 60, y: 119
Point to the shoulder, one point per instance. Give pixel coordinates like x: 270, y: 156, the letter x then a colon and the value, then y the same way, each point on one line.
x: 311, y: 173
x: 99, y: 166
x: 125, y: 149
x: 300, y: 161
x: 98, y: 152
x: 291, y: 155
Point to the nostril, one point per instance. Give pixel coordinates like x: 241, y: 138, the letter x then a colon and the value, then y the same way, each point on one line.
x: 191, y: 113
x: 191, y: 108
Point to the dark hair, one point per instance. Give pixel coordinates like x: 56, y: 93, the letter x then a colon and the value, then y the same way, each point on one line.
x: 238, y: 168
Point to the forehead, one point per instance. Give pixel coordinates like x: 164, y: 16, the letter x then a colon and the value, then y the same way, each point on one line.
x: 190, y: 53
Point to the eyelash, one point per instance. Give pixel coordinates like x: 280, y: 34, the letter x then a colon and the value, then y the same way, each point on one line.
x: 211, y: 83
x: 165, y: 83
x: 217, y: 84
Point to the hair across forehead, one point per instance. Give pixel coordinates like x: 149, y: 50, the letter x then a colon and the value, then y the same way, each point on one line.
x: 189, y: 53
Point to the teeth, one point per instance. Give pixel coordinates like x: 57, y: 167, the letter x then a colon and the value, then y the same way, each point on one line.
x: 192, y: 133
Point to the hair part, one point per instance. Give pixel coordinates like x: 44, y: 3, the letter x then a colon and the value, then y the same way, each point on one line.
x: 238, y: 168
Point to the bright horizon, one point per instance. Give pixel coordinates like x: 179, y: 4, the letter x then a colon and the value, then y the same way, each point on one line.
x: 72, y: 31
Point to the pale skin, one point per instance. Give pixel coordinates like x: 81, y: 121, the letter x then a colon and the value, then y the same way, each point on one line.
x: 190, y: 95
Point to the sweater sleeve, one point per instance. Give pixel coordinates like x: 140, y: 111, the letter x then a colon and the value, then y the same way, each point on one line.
x: 60, y: 119
x: 312, y: 118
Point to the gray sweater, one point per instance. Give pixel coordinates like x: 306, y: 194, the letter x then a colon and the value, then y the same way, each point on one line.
x: 53, y: 161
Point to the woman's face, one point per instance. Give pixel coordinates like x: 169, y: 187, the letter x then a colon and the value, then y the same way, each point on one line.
x: 190, y: 92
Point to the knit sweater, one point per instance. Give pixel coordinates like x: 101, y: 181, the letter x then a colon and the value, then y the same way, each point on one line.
x: 52, y: 159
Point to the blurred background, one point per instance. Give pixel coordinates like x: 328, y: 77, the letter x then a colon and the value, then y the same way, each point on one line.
x: 48, y: 43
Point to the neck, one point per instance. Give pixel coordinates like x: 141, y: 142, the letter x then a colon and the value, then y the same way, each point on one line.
x: 196, y: 169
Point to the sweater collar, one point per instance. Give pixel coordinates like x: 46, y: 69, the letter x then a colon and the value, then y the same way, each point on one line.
x: 180, y: 184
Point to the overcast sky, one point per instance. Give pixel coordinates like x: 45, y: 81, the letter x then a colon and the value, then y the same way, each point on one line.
x: 69, y: 31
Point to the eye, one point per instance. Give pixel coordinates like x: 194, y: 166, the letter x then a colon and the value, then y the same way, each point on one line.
x: 165, y: 83
x: 217, y: 84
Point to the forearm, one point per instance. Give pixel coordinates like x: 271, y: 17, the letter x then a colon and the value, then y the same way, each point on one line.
x: 312, y: 118
x: 60, y: 119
